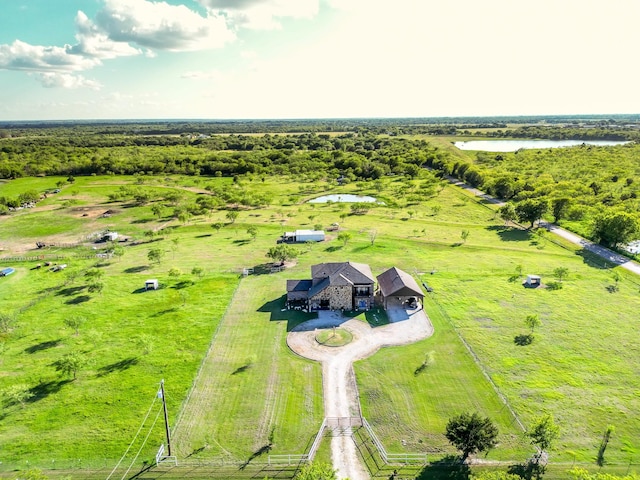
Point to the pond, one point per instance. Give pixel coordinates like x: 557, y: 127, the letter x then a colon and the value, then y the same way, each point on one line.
x: 513, y: 145
x: 344, y: 198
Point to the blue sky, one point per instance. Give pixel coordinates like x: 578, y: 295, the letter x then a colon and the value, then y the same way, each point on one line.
x: 222, y: 59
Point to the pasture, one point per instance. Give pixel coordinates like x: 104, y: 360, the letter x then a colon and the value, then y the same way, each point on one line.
x: 235, y: 392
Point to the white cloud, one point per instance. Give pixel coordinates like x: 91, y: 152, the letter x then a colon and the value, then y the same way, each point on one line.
x: 23, y: 56
x: 262, y: 14
x: 66, y: 80
x: 92, y: 42
x: 160, y: 26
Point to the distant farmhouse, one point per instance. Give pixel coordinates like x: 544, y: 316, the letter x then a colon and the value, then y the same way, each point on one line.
x: 351, y: 286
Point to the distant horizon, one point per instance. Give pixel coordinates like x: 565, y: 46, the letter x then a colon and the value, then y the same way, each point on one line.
x: 590, y: 116
x: 315, y: 59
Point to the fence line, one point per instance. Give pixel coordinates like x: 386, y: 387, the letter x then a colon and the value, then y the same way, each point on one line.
x: 346, y: 424
x: 288, y: 459
x: 202, y: 363
x: 391, y: 458
x: 317, y: 440
x: 477, y: 361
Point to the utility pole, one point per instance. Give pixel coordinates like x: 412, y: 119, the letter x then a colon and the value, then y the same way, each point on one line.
x: 166, y: 417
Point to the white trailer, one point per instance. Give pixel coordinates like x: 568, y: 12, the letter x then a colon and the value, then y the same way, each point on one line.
x: 301, y: 236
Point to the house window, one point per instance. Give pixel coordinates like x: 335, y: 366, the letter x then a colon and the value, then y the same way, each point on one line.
x: 363, y: 291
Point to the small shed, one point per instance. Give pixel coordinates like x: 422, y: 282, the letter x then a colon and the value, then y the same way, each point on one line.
x: 6, y: 271
x: 151, y: 284
x: 532, y: 281
x: 300, y: 236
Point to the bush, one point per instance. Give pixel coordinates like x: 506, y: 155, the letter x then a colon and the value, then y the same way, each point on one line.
x: 554, y: 285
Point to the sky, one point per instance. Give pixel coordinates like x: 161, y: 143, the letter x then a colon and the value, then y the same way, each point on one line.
x: 245, y: 59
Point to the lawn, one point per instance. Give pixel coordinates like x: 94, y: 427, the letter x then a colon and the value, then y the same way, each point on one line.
x: 234, y: 390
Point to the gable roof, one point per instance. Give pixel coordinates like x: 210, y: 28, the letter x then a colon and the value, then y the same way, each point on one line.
x: 397, y: 282
x: 356, y: 273
x: 298, y: 285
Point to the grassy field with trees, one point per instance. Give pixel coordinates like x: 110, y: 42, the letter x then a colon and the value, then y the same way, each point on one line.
x: 84, y: 348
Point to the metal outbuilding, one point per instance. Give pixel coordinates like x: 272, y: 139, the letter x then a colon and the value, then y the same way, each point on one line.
x: 301, y: 236
x: 6, y: 271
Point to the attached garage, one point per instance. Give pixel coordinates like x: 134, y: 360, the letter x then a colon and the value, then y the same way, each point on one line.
x: 398, y: 287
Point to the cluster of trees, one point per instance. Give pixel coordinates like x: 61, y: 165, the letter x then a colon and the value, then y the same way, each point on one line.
x: 354, y: 156
x: 571, y: 132
x: 472, y: 433
x: 7, y: 203
x: 592, y: 190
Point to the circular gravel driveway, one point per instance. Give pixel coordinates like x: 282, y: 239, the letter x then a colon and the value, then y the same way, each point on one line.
x: 340, y: 391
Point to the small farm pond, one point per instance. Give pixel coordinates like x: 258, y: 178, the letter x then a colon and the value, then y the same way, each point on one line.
x: 343, y: 198
x: 514, y: 145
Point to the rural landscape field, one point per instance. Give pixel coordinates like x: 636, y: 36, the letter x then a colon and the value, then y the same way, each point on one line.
x: 85, y: 347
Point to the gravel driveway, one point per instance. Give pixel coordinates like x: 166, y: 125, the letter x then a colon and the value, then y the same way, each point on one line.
x: 340, y: 390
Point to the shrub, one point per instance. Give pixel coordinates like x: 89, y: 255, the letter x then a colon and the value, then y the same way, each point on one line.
x: 554, y: 285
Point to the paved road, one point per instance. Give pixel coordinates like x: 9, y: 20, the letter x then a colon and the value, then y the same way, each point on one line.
x: 340, y: 390
x: 603, y: 252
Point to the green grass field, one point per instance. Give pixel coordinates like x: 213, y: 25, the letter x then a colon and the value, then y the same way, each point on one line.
x: 251, y: 392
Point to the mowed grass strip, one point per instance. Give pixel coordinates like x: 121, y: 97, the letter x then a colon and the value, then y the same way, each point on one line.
x: 253, y: 395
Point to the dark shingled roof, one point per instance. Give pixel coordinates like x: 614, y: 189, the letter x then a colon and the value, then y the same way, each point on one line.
x: 298, y: 285
x: 356, y: 273
x: 396, y: 282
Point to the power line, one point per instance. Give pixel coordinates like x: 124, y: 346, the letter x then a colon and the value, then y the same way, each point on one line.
x: 142, y: 446
x: 134, y: 438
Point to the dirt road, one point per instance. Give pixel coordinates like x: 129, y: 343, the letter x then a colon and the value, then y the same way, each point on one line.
x: 340, y: 390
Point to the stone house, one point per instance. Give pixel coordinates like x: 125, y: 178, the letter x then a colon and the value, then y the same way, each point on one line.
x: 333, y: 286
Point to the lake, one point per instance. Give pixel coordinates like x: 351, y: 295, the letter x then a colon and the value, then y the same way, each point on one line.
x: 343, y: 198
x: 513, y: 145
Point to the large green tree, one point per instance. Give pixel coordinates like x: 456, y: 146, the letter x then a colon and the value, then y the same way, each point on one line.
x: 531, y: 210
x: 615, y: 227
x: 281, y: 253
x: 471, y: 433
